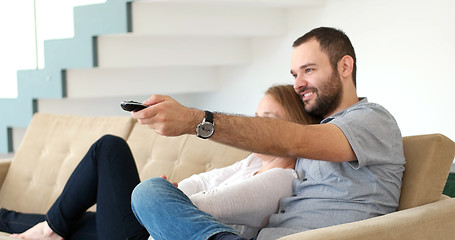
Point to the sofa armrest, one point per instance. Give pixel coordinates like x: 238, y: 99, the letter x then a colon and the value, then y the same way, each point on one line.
x: 431, y: 221
x: 4, y: 166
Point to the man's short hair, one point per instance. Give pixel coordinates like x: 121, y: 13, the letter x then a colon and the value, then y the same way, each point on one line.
x: 334, y: 42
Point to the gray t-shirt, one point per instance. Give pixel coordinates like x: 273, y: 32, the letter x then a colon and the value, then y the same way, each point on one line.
x: 330, y: 193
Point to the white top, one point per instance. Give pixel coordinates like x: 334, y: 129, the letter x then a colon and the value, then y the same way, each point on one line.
x: 237, y: 197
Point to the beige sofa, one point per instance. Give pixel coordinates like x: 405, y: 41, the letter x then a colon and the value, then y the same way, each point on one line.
x: 53, y: 145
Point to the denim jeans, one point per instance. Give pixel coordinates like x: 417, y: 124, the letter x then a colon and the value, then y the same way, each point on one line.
x: 168, y: 213
x: 106, y: 176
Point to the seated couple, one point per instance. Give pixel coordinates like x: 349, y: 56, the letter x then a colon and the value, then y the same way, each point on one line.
x: 348, y: 168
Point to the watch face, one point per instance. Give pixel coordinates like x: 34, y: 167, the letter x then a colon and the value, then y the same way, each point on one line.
x: 205, y: 129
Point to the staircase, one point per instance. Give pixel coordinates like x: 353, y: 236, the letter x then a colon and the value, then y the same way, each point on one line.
x: 131, y: 49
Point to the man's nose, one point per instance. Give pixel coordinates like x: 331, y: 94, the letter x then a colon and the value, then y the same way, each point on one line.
x: 300, y: 84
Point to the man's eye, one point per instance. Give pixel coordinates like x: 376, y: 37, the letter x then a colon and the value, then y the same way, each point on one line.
x: 308, y: 70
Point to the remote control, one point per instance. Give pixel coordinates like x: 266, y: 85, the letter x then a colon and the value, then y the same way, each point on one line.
x: 132, y: 106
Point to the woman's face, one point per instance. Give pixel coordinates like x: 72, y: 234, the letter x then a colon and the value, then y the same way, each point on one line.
x: 269, y: 107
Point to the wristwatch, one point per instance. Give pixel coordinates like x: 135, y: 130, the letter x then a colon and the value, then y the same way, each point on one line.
x: 206, y: 128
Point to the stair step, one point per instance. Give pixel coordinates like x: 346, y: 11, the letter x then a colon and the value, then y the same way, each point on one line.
x: 243, y: 3
x: 106, y: 106
x: 86, y: 106
x: 132, y: 50
x: 119, y: 82
x: 208, y: 18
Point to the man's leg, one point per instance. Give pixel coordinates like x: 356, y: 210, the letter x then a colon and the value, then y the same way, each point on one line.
x: 168, y: 213
x: 106, y: 175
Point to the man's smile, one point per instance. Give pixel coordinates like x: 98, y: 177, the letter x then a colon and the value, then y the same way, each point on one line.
x: 306, y: 95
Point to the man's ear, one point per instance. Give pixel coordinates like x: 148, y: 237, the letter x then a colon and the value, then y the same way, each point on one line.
x: 345, y: 66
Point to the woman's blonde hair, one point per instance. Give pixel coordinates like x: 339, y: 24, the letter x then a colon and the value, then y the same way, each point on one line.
x: 288, y: 98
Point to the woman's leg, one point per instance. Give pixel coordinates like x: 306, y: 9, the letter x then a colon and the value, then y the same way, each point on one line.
x: 107, y: 176
x: 37, y: 229
x: 33, y: 226
x: 16, y: 222
x: 168, y: 213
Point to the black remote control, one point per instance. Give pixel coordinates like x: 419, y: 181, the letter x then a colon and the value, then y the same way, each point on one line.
x: 132, y: 106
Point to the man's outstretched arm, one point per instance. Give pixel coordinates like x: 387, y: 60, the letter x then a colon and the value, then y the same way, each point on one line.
x: 262, y: 135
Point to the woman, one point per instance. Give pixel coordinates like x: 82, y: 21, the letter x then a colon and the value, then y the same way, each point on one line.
x: 107, y: 175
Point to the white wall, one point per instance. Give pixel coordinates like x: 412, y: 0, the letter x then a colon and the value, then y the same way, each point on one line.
x: 405, y: 53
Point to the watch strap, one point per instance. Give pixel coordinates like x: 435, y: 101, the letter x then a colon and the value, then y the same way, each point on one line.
x: 208, y: 116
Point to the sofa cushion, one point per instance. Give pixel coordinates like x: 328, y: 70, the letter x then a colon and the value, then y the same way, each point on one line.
x: 428, y: 161
x: 52, y: 147
x: 178, y: 157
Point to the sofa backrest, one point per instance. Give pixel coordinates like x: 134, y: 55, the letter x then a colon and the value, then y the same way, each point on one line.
x: 52, y: 147
x: 428, y: 161
x: 54, y: 144
x: 178, y: 157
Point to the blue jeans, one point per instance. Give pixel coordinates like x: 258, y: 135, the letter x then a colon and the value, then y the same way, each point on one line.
x: 167, y: 213
x: 106, y: 175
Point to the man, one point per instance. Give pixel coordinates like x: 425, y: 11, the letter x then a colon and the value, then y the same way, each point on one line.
x: 350, y: 166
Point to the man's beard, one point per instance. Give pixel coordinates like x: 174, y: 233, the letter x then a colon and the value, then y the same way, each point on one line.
x: 329, y: 98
